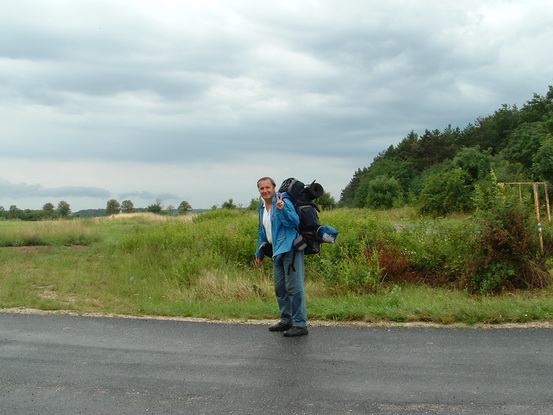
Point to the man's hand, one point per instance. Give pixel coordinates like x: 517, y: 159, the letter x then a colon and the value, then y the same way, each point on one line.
x: 280, y: 202
x: 259, y: 260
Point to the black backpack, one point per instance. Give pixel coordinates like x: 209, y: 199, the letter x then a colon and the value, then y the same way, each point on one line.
x: 302, y: 197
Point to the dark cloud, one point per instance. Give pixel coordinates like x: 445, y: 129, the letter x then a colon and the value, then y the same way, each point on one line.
x: 19, y: 189
x: 24, y: 190
x: 79, y: 191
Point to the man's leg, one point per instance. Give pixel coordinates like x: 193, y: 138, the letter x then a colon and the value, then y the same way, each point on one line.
x: 281, y: 292
x: 295, y: 287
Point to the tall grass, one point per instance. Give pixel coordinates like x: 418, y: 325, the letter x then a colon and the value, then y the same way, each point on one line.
x: 381, y: 269
x: 53, y: 232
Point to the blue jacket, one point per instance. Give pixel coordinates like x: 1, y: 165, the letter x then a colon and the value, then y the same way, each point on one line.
x: 284, y: 227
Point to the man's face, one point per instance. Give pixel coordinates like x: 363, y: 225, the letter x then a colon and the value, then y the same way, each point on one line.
x: 266, y: 190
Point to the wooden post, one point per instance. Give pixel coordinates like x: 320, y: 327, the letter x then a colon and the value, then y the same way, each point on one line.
x: 547, y: 201
x: 538, y: 214
x: 537, y: 203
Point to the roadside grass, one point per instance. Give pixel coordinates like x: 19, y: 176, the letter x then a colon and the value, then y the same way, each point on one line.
x: 410, y: 303
x: 58, y: 232
x: 203, y: 267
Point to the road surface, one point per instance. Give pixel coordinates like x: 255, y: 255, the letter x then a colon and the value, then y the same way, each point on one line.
x: 52, y: 364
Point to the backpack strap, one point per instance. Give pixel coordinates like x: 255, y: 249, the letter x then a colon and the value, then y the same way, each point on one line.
x: 291, y: 267
x: 286, y: 195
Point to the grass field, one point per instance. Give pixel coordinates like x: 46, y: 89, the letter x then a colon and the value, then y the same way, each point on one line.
x: 184, y: 266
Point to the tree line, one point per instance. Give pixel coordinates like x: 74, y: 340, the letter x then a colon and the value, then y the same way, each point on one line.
x: 49, y: 211
x: 440, y: 172
x: 113, y: 207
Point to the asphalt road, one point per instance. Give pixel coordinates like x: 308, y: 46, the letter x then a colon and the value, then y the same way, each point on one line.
x: 51, y: 364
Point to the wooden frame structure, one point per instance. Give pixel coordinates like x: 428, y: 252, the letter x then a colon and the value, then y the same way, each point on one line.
x: 536, y: 186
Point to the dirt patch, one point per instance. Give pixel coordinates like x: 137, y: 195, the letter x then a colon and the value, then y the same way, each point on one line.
x: 28, y: 248
x: 39, y: 247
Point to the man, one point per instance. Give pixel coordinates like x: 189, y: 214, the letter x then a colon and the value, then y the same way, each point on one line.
x: 278, y: 227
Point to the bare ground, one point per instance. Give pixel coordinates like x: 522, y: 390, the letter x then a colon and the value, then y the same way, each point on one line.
x: 537, y: 324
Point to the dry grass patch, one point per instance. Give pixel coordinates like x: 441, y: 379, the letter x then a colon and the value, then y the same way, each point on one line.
x: 216, y: 284
x: 151, y: 217
x: 51, y: 233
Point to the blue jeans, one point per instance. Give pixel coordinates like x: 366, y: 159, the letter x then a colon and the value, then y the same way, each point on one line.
x: 289, y: 288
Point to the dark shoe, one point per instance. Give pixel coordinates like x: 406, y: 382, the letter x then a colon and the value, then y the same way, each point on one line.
x: 280, y: 326
x: 296, y: 331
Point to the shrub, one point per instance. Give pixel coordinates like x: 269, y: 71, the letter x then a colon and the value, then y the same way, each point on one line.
x: 383, y: 193
x: 445, y: 191
x: 508, y: 245
x: 438, y: 250
x: 347, y: 264
x: 394, y: 263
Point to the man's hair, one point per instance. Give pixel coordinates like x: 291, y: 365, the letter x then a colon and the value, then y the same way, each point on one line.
x: 266, y: 178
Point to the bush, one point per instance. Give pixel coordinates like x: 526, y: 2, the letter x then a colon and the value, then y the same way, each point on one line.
x: 445, y: 191
x: 371, y: 251
x: 349, y: 265
x: 383, y: 193
x: 437, y: 250
x: 508, y: 245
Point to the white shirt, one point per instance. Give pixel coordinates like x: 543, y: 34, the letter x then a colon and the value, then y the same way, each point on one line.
x: 267, y: 224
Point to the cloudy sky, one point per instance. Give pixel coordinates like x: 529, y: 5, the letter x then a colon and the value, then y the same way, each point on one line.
x: 195, y: 100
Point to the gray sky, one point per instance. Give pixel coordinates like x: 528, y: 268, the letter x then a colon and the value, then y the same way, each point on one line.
x: 195, y: 100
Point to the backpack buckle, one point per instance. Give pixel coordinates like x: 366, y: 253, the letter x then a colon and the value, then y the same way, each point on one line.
x: 299, y: 243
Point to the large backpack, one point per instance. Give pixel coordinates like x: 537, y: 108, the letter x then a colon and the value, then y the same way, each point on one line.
x: 302, y: 197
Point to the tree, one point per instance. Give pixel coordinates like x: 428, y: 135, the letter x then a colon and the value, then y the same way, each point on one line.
x: 113, y: 207
x: 229, y: 204
x: 347, y: 198
x: 524, y: 142
x: 184, y: 208
x: 48, y: 210
x: 446, y: 191
x: 254, y: 203
x: 542, y: 167
x: 383, y: 193
x: 156, y: 207
x: 14, y: 212
x: 492, y: 131
x: 48, y: 207
x: 474, y: 162
x: 361, y: 193
x: 405, y: 150
x: 326, y: 201
x: 507, y: 171
x: 401, y: 170
x: 538, y: 108
x: 64, y: 209
x: 433, y: 147
x: 127, y: 206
